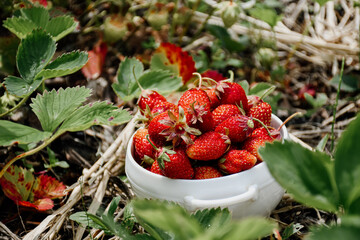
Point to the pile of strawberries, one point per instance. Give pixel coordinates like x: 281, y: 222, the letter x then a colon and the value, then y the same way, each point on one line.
x: 211, y: 132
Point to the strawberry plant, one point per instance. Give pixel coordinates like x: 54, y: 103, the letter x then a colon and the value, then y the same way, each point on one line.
x: 318, y: 180
x: 58, y: 112
x: 34, y: 58
x: 164, y: 220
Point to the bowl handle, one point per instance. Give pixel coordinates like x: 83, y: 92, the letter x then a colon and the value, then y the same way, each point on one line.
x: 251, y: 194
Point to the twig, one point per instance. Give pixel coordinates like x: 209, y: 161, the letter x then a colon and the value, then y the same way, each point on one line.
x: 8, y: 232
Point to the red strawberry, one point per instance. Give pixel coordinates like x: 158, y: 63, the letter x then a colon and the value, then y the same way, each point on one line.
x: 223, y: 112
x: 164, y: 107
x: 214, y: 100
x: 237, y: 127
x: 196, y: 105
x: 150, y: 98
x: 253, y: 100
x: 252, y: 144
x: 206, y: 172
x: 208, y: 146
x: 262, y: 112
x: 236, y: 161
x: 232, y: 93
x: 213, y: 74
x: 155, y: 168
x: 175, y: 164
x: 258, y: 132
x: 143, y: 147
x: 170, y: 126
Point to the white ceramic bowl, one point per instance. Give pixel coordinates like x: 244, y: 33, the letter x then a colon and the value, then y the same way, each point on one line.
x: 248, y: 193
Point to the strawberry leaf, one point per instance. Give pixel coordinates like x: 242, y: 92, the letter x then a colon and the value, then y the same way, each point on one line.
x: 170, y: 57
x: 11, y: 132
x: 61, y: 26
x: 129, y: 70
x: 65, y: 64
x: 20, y: 87
x: 20, y: 185
x: 305, y: 174
x: 250, y: 228
x: 38, y: 15
x: 34, y: 53
x: 342, y: 231
x: 98, y: 113
x: 260, y: 88
x: 52, y: 108
x: 347, y: 165
x: 158, y: 80
x: 17, y: 183
x: 47, y: 187
x: 20, y: 26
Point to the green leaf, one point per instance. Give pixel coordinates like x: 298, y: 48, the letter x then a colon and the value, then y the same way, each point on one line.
x: 38, y: 15
x: 225, y: 39
x: 317, y: 102
x: 321, y: 145
x: 307, y: 175
x: 334, y: 232
x: 291, y: 230
x: 126, y: 79
x: 113, y: 206
x: 206, y: 217
x: 251, y: 228
x: 349, y: 83
x: 270, y: 16
x: 97, y: 113
x: 19, y: 87
x: 158, y: 80
x: 61, y: 26
x: 11, y: 132
x: 260, y: 88
x: 347, y: 164
x: 19, y: 26
x: 65, y: 64
x: 34, y: 53
x: 84, y: 219
x: 52, y: 108
x: 159, y: 218
x: 245, y: 85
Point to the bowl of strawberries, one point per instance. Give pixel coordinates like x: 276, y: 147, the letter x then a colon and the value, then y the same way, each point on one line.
x: 202, y: 152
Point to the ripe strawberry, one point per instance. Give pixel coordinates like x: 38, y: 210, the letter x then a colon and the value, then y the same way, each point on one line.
x: 150, y: 98
x: 236, y: 161
x: 258, y: 132
x: 175, y: 164
x: 164, y: 107
x: 206, y: 172
x: 252, y: 144
x: 232, y: 93
x: 170, y: 126
x: 223, y: 112
x: 237, y: 127
x: 196, y: 105
x: 142, y: 146
x: 262, y: 112
x: 155, y: 168
x: 253, y: 100
x: 214, y: 100
x: 209, y: 146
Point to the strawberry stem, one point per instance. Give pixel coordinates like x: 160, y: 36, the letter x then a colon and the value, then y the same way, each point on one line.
x: 147, y: 138
x: 288, y: 119
x: 200, y: 78
x: 266, y: 128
